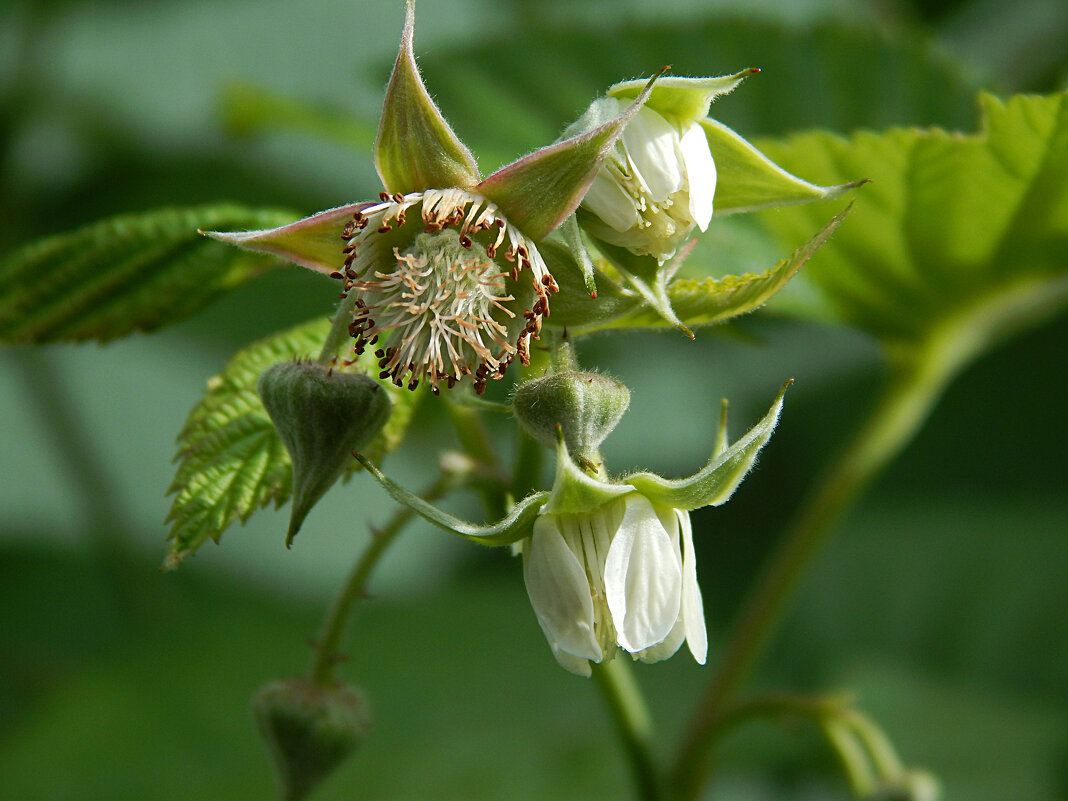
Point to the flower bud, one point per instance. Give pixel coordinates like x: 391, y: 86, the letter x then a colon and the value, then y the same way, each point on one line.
x: 586, y: 406
x: 655, y: 186
x: 321, y: 416
x: 310, y: 729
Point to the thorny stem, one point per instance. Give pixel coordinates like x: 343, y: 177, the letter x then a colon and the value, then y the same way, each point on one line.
x: 328, y: 644
x: 631, y: 717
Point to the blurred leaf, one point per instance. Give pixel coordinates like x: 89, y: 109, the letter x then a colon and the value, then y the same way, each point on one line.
x: 137, y: 272
x: 231, y: 460
x: 960, y: 237
x: 249, y: 110
x: 525, y: 92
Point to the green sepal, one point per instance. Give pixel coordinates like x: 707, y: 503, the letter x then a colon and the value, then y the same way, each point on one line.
x: 314, y: 242
x: 714, y: 484
x: 574, y: 489
x: 748, y: 180
x: 684, y: 99
x: 573, y: 307
x: 415, y: 148
x: 539, y: 191
x: 572, y: 235
x: 707, y: 301
x: 515, y: 526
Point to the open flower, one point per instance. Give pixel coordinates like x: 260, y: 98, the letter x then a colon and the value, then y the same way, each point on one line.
x: 443, y: 275
x: 611, y: 563
x: 621, y: 574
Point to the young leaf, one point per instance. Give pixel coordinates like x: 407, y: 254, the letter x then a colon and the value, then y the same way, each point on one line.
x: 137, y: 272
x: 231, y: 460
x: 960, y: 238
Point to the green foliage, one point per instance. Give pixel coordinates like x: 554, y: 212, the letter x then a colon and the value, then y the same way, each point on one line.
x: 231, y: 460
x: 714, y: 300
x: 956, y: 231
x: 137, y: 272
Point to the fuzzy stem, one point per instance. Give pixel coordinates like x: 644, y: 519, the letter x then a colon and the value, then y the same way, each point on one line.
x: 328, y: 644
x: 631, y: 718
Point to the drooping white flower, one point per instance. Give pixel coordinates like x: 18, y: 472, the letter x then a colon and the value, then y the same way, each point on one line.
x: 623, y: 574
x: 657, y: 184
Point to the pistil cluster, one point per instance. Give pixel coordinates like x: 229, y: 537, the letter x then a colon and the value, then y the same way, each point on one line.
x: 437, y: 291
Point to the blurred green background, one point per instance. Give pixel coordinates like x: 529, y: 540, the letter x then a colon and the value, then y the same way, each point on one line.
x: 941, y: 601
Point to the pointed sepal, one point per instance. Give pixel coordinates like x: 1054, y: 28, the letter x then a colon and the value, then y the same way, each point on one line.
x: 515, y: 526
x: 538, y: 192
x: 748, y: 180
x: 415, y: 148
x: 714, y: 484
x: 577, y: 490
x: 680, y: 98
x: 314, y: 242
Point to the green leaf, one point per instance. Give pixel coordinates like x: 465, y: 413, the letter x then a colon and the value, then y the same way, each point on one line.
x: 231, y: 460
x: 136, y: 272
x: 960, y: 238
x: 416, y: 149
x: 715, y: 483
x: 516, y: 525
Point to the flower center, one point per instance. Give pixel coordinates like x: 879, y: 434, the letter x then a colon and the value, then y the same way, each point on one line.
x: 436, y: 290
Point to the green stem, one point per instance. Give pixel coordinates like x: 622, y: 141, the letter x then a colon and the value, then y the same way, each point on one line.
x: 916, y: 386
x: 339, y: 328
x: 631, y: 717
x: 328, y: 644
x: 475, y: 442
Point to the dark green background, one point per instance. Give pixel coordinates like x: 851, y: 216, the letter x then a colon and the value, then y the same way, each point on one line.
x: 941, y: 601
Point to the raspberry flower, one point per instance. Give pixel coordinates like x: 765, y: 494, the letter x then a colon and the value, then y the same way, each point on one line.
x: 442, y: 275
x: 610, y: 563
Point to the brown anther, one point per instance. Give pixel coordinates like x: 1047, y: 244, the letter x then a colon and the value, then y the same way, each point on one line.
x: 398, y: 197
x: 384, y: 197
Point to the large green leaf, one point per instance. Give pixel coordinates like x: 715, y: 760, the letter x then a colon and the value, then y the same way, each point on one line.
x: 231, y: 460
x: 960, y: 237
x: 137, y: 272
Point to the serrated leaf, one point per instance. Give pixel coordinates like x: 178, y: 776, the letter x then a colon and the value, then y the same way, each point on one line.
x: 137, y: 272
x: 959, y: 236
x: 231, y: 460
x: 694, y: 302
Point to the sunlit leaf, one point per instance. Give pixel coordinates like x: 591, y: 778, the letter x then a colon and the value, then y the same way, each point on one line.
x: 137, y: 272
x: 231, y: 460
x: 961, y: 237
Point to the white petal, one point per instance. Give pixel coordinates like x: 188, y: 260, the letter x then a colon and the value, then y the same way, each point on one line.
x: 651, y: 141
x: 642, y: 578
x: 693, y: 609
x: 559, y: 592
x: 572, y: 664
x: 668, y: 647
x: 609, y: 200
x: 700, y: 172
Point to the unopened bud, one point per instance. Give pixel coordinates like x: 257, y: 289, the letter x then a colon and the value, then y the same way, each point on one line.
x: 586, y: 406
x: 310, y: 730
x: 321, y: 416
